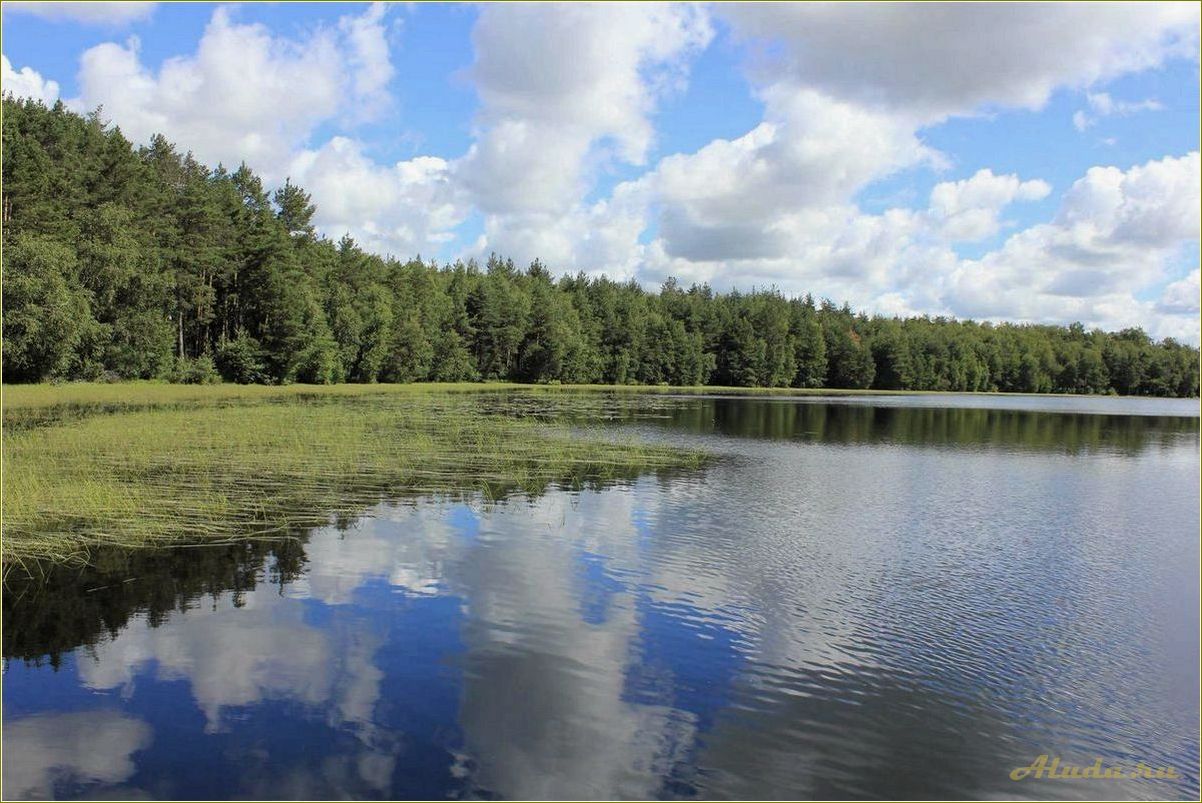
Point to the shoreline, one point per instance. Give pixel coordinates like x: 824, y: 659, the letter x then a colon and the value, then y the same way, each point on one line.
x: 39, y: 395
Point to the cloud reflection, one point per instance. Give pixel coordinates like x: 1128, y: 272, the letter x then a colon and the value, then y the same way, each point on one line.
x: 82, y: 747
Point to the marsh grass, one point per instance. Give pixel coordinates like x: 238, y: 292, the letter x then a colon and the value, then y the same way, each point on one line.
x: 134, y: 465
x: 23, y: 399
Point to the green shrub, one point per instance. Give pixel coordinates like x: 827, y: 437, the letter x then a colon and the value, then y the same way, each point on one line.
x: 198, y: 371
x: 241, y: 360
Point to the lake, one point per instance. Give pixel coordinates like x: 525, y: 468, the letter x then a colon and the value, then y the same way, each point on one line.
x: 860, y: 597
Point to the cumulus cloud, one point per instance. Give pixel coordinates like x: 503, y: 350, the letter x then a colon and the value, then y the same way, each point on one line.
x: 564, y: 89
x: 602, y: 237
x: 777, y: 205
x: 1154, y: 205
x: 89, y: 747
x: 871, y: 261
x: 368, y: 58
x: 968, y: 210
x: 1181, y: 297
x: 568, y: 92
x: 403, y: 209
x: 246, y: 94
x: 957, y: 58
x: 91, y: 13
x: 595, y: 73
x: 740, y: 197
x: 26, y: 83
x: 1112, y: 237
x: 829, y: 131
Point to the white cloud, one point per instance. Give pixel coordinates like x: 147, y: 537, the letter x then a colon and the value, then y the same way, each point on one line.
x: 871, y: 261
x: 783, y: 193
x: 523, y: 167
x: 250, y: 95
x: 754, y: 203
x: 1111, y: 240
x: 597, y: 68
x: 1113, y: 236
x: 570, y: 91
x: 751, y: 197
x: 810, y: 151
x: 565, y: 89
x: 246, y: 94
x: 85, y: 746
x: 92, y: 13
x: 733, y: 199
x: 968, y: 210
x: 1103, y: 105
x: 595, y: 238
x: 1182, y: 296
x: 1155, y: 205
x: 957, y: 58
x: 371, y: 66
x: 403, y: 209
x: 26, y: 83
x: 777, y: 205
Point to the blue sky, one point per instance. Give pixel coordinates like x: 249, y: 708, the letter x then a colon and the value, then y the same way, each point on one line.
x: 1020, y: 162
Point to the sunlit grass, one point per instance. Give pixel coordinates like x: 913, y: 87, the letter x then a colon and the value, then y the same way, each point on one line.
x: 147, y: 393
x: 152, y: 393
x: 144, y: 463
x: 147, y: 464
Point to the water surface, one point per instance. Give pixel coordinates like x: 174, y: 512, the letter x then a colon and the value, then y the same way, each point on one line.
x: 861, y: 597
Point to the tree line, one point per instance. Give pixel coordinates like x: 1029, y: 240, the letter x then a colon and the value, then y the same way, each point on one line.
x: 124, y: 262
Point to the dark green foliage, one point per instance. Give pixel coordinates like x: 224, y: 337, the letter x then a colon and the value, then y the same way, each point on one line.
x: 294, y: 210
x: 452, y: 363
x: 145, y: 263
x: 240, y: 360
x: 195, y: 371
x: 46, y: 313
x: 809, y: 345
x: 410, y: 354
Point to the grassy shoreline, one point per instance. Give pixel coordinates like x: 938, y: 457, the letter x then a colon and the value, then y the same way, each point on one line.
x: 44, y: 394
x: 148, y: 464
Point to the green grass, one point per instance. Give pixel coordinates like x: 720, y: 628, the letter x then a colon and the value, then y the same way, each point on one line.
x: 147, y: 464
x: 135, y: 464
x: 151, y: 393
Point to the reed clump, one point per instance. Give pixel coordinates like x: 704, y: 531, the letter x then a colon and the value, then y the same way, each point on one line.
x: 159, y: 465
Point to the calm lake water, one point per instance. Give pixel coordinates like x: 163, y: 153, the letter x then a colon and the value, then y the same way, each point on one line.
x: 860, y: 597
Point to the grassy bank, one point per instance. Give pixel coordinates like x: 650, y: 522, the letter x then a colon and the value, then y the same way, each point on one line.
x: 145, y: 464
x: 23, y: 400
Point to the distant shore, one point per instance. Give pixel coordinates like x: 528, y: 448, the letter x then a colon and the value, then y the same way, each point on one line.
x: 143, y: 392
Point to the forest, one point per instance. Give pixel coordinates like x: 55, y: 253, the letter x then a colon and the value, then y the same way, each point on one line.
x: 124, y: 262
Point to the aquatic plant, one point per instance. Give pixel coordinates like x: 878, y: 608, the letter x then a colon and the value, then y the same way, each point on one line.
x: 85, y: 466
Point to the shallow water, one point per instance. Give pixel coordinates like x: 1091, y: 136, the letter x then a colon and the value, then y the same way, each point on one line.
x: 861, y: 597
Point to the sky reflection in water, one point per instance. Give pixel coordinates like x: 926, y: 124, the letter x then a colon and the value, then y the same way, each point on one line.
x: 855, y: 601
